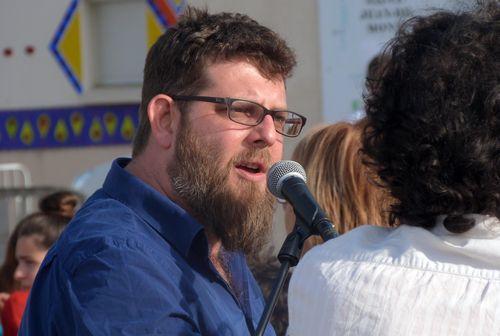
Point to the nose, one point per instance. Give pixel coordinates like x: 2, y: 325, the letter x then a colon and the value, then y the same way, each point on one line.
x: 19, y: 273
x: 264, y: 134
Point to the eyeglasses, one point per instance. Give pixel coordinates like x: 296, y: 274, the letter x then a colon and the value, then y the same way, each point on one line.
x: 249, y: 113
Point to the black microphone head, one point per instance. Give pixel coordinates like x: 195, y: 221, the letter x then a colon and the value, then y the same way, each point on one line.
x: 280, y: 171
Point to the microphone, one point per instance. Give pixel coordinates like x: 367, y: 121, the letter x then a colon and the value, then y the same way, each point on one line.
x: 287, y: 179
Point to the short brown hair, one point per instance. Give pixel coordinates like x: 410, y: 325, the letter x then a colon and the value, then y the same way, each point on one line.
x: 175, y: 63
x: 338, y: 179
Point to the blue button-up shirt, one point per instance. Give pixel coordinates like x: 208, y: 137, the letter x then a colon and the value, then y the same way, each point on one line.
x: 132, y: 262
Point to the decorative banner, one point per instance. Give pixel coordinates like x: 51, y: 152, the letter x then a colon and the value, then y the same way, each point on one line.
x: 68, y: 127
x: 66, y: 45
x: 154, y: 25
x: 162, y: 14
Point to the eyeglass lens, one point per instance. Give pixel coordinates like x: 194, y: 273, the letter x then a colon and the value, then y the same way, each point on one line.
x: 251, y: 114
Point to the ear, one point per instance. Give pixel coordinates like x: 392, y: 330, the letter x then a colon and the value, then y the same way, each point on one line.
x: 163, y: 117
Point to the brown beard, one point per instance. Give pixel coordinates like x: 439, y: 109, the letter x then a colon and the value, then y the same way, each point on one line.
x: 240, y: 218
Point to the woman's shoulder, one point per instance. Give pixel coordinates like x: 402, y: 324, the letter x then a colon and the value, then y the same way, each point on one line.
x: 365, y: 237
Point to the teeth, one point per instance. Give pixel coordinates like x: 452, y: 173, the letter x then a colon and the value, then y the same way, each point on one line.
x: 251, y: 166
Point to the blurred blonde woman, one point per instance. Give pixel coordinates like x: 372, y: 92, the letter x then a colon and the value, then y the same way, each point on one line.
x: 338, y: 180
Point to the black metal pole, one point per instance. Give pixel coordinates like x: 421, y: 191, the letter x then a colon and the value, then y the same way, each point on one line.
x: 288, y: 256
x: 273, y: 298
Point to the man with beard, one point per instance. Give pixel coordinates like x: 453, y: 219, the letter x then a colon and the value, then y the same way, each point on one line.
x: 159, y: 249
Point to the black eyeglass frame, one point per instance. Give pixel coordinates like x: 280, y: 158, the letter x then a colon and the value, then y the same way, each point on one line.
x: 229, y: 101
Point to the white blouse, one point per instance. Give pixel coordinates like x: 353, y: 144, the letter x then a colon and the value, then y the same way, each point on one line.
x: 402, y: 281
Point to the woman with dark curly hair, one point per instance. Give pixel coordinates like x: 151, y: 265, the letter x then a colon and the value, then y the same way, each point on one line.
x: 433, y: 138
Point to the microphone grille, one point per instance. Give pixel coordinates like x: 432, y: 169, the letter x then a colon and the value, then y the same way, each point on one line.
x: 280, y: 171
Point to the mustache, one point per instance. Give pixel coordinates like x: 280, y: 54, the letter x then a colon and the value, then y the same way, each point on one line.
x: 260, y: 155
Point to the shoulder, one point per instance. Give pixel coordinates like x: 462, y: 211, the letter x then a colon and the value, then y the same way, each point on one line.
x: 109, y: 267
x: 102, y: 212
x: 103, y: 216
x: 325, y: 271
x: 106, y: 231
x: 365, y: 238
x: 340, y: 255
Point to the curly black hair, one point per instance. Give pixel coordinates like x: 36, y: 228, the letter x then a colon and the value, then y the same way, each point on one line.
x: 433, y: 124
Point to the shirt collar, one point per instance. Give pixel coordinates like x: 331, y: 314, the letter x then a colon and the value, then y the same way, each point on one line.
x: 171, y: 221
x: 486, y: 227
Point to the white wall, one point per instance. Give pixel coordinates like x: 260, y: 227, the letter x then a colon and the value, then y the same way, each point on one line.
x: 37, y: 80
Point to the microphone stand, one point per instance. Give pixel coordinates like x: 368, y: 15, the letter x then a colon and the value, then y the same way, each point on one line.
x: 288, y: 256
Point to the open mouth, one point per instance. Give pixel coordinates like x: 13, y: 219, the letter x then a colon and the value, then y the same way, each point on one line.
x: 251, y: 167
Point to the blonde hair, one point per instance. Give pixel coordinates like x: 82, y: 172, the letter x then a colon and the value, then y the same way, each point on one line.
x: 336, y: 176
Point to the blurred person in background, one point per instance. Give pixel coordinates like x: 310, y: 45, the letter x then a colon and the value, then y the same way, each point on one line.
x: 63, y: 202
x: 34, y: 234
x: 337, y: 178
x: 7, y: 282
x: 433, y: 137
x: 160, y: 249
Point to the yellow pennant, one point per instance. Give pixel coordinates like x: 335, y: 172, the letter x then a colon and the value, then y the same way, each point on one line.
x: 61, y: 132
x: 95, y: 130
x: 43, y: 124
x: 77, y: 122
x: 127, y: 129
x: 27, y: 134
x: 12, y: 126
x: 110, y: 122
